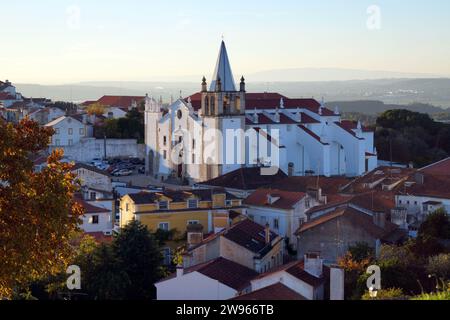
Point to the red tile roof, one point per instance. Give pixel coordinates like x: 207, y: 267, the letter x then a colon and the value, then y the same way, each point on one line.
x: 89, y: 208
x: 434, y: 185
x: 270, y: 101
x: 329, y: 185
x: 245, y: 179
x: 227, y: 272
x: 361, y: 219
x: 120, y: 101
x: 250, y: 235
x: 312, y: 134
x: 287, y: 199
x: 277, y: 291
x: 296, y: 269
x: 441, y: 167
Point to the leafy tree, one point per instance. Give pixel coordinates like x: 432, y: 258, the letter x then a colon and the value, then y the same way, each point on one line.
x: 37, y: 210
x: 103, y: 277
x: 129, y: 127
x: 140, y: 257
x: 436, y: 225
x: 361, y: 251
x: 96, y: 109
x: 439, y: 266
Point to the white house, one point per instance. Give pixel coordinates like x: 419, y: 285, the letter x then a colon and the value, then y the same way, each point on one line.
x: 115, y: 113
x: 298, y: 280
x: 218, y: 279
x: 68, y: 131
x: 223, y: 128
x: 97, y: 217
x: 423, y: 194
x: 97, y: 184
x: 284, y: 211
x: 305, y: 277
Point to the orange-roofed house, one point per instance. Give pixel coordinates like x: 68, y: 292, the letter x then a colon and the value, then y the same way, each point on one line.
x: 284, y: 211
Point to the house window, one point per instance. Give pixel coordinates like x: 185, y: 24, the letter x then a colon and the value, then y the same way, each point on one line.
x: 276, y: 224
x: 57, y: 142
x: 93, y: 220
x: 70, y: 131
x: 400, y: 201
x: 301, y: 221
x: 263, y: 220
x: 163, y: 226
x: 70, y: 142
x: 180, y: 138
x: 228, y: 203
x: 192, y: 203
x: 164, y: 140
x: 81, y: 131
x: 165, y: 154
x: 193, y: 143
x: 56, y: 130
x: 126, y: 206
x: 191, y: 222
x: 193, y: 158
x: 93, y: 195
x: 163, y: 205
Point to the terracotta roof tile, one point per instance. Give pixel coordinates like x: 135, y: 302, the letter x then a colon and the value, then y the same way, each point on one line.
x: 245, y: 179
x: 275, y: 292
x: 250, y: 235
x: 441, y: 167
x: 287, y: 199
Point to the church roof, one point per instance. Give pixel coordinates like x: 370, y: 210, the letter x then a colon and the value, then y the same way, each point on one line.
x: 223, y: 71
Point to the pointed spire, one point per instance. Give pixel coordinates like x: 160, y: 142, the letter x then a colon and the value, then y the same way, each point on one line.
x: 223, y: 71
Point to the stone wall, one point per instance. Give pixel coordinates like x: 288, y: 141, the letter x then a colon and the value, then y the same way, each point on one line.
x: 91, y: 148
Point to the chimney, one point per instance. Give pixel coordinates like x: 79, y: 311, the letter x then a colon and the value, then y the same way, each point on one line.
x: 313, y: 264
x: 379, y: 219
x: 336, y: 283
x: 267, y: 233
x: 180, y: 271
x: 419, y: 177
x: 194, y: 234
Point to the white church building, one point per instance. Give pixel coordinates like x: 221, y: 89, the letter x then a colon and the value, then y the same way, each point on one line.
x: 223, y: 128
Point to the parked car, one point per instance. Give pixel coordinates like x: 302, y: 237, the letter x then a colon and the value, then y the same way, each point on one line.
x: 123, y: 172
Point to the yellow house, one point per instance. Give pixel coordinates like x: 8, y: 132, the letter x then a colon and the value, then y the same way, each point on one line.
x: 170, y: 209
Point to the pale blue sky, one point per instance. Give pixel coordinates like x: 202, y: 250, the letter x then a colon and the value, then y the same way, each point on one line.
x: 42, y: 42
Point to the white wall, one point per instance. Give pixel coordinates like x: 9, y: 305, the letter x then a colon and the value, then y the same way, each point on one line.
x: 193, y: 286
x: 288, y: 280
x: 91, y: 148
x: 104, y: 222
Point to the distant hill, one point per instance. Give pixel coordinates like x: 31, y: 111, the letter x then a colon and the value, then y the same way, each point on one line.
x: 329, y: 74
x: 370, y: 107
x: 390, y: 91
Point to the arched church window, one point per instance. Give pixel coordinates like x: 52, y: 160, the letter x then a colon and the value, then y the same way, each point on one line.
x: 206, y: 106
x: 212, y: 105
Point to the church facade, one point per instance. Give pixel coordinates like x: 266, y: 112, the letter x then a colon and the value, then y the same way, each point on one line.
x: 223, y: 128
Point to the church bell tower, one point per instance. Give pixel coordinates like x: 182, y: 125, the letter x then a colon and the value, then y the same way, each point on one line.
x: 222, y: 108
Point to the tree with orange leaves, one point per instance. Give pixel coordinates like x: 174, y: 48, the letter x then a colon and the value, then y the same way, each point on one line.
x: 37, y: 210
